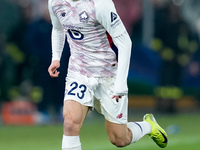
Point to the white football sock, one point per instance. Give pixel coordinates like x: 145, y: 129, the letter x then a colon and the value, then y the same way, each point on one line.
x: 139, y: 129
x: 71, y: 143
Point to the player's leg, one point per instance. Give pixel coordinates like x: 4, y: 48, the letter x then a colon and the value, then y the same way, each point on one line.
x: 124, y: 134
x: 78, y: 98
x: 74, y: 114
x: 118, y: 134
x: 119, y: 131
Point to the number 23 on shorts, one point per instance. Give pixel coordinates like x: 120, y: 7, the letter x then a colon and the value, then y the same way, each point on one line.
x: 77, y: 90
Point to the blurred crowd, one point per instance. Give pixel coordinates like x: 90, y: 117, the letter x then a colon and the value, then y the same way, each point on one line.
x: 165, y: 35
x: 25, y: 55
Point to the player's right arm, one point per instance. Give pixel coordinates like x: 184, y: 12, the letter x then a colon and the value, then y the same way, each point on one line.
x: 53, y: 68
x: 58, y: 41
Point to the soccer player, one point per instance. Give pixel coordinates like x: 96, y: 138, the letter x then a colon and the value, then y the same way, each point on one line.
x: 95, y: 78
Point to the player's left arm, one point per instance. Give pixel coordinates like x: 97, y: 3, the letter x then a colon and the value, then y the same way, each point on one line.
x: 124, y: 44
x: 107, y: 16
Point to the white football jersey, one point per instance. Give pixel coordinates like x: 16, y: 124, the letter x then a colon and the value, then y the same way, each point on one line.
x: 86, y: 24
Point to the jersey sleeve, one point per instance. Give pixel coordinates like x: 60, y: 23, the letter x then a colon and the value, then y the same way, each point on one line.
x: 124, y: 44
x: 58, y: 35
x: 108, y: 17
x: 54, y: 20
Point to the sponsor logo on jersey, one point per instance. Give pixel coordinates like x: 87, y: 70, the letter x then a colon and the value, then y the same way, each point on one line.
x: 75, y: 35
x: 113, y: 16
x: 84, y: 17
x: 115, y: 21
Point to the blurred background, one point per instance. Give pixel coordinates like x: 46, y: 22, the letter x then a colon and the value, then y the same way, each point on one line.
x: 164, y: 74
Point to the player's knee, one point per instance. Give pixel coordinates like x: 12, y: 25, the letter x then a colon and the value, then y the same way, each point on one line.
x: 71, y: 125
x: 119, y: 143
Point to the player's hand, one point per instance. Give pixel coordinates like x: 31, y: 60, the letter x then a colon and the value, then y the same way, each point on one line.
x: 53, y: 69
x: 117, y: 97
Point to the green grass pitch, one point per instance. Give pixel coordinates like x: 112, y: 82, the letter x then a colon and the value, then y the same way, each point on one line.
x: 94, y: 137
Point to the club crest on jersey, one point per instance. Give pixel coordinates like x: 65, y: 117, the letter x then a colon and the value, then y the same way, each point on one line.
x: 113, y: 16
x: 84, y: 17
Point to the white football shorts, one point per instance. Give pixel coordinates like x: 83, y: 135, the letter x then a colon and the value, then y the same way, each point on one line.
x: 97, y: 93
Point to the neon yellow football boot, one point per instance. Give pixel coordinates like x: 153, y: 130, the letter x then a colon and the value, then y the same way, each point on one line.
x: 157, y: 134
